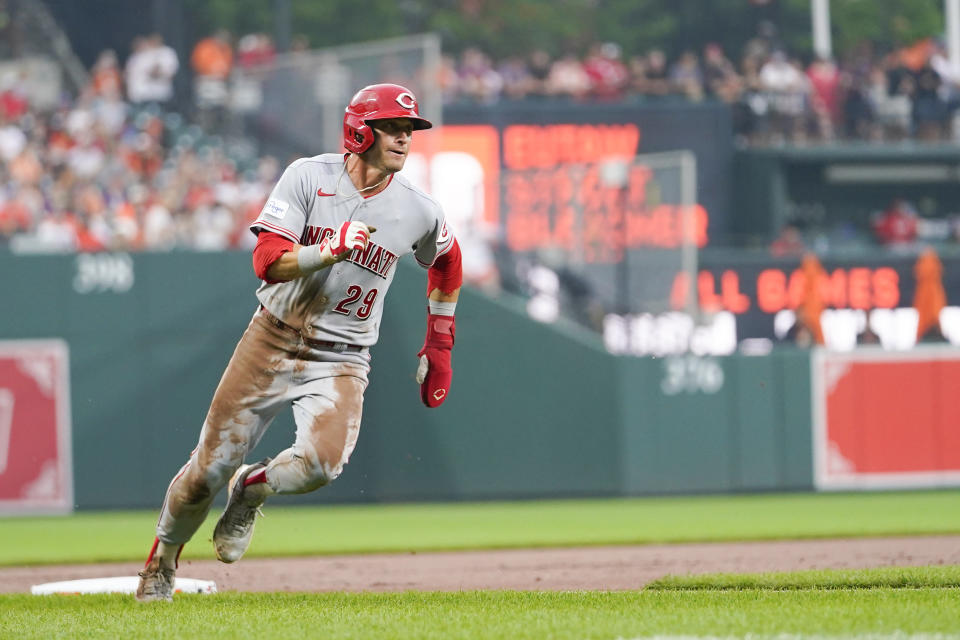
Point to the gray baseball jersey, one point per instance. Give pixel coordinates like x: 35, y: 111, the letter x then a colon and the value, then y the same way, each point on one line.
x: 344, y: 303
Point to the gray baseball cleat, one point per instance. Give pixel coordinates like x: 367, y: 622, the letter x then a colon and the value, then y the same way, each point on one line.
x: 234, y: 530
x: 156, y: 583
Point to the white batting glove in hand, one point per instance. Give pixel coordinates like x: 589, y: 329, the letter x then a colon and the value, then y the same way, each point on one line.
x: 422, y: 369
x: 336, y: 248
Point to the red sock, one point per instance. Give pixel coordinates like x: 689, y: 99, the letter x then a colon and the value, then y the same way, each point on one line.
x: 153, y: 550
x: 258, y: 476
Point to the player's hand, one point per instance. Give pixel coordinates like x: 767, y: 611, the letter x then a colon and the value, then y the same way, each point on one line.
x: 336, y: 248
x: 435, y: 370
x: 351, y: 236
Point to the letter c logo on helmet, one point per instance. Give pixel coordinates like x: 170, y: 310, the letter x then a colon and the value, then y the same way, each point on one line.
x: 378, y: 102
x: 406, y: 100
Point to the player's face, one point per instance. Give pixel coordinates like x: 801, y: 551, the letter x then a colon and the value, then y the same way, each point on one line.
x: 391, y: 144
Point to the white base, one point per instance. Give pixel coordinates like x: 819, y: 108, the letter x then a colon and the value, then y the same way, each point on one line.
x: 118, y: 585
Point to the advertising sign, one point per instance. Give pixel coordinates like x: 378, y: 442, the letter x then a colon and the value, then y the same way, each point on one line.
x: 886, y: 419
x: 35, y: 449
x: 867, y: 300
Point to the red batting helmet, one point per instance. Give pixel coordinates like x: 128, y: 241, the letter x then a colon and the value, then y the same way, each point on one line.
x: 378, y: 102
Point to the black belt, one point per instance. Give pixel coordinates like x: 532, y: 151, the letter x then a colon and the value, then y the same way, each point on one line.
x: 320, y: 344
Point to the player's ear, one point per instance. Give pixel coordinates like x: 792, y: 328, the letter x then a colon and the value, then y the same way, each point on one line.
x: 373, y: 143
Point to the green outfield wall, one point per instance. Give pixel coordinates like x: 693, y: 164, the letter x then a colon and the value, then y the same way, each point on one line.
x: 535, y: 410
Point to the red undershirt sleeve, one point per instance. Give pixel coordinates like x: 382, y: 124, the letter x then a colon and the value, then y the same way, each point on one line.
x: 270, y: 246
x: 446, y: 273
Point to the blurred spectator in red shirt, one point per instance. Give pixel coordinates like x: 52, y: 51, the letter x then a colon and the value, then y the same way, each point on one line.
x: 13, y: 99
x: 824, y: 77
x: 105, y: 76
x: 14, y: 216
x: 255, y: 49
x: 897, y: 225
x: 606, y: 71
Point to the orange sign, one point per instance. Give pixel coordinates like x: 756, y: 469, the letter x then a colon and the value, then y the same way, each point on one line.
x: 571, y: 208
x: 711, y: 297
x: 552, y: 193
x: 856, y: 288
x: 776, y: 290
x: 544, y: 146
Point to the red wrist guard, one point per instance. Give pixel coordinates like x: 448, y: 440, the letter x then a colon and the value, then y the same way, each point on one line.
x: 441, y: 331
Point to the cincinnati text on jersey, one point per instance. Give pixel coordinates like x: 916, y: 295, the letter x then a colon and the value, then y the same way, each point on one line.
x: 374, y: 258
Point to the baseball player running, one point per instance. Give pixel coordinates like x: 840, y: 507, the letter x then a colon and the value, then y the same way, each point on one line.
x: 328, y: 240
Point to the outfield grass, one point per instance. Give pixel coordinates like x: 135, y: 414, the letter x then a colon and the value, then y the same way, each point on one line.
x: 887, y: 577
x: 901, y: 602
x: 492, y: 615
x: 124, y: 536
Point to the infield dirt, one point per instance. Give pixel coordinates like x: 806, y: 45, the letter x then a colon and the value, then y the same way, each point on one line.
x: 604, y: 568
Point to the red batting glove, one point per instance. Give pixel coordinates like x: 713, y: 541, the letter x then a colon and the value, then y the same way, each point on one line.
x: 350, y: 236
x: 336, y: 248
x: 435, y: 371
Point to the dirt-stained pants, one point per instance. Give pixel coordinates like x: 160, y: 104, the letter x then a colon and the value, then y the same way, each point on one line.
x: 271, y: 368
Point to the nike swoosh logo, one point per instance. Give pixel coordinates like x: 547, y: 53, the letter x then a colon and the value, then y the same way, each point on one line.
x: 321, y: 193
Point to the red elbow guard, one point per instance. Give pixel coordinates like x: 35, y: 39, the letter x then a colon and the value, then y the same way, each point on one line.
x: 270, y: 246
x: 446, y: 273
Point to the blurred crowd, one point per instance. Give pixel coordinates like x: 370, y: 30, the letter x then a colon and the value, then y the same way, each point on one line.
x: 114, y: 168
x: 898, y: 227
x: 774, y: 96
x: 118, y: 167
